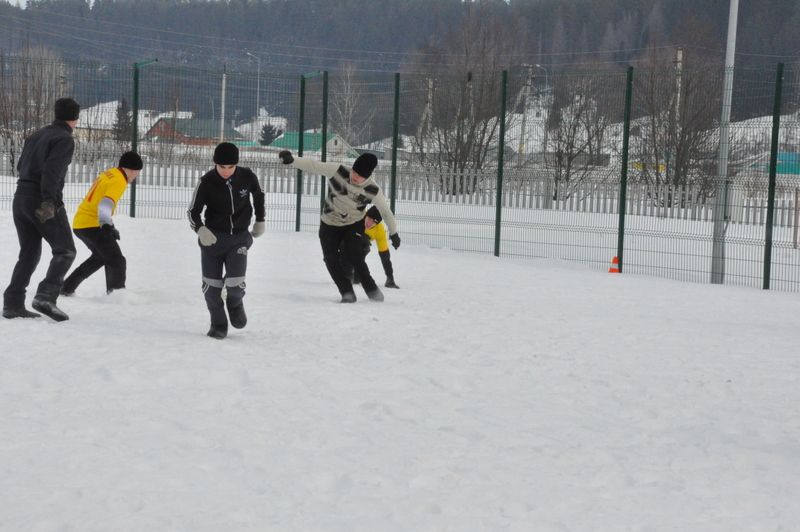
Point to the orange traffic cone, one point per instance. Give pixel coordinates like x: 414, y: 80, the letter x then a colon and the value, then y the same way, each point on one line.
x: 614, y: 265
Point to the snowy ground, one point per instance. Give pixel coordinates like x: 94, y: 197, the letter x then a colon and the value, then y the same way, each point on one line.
x: 484, y: 395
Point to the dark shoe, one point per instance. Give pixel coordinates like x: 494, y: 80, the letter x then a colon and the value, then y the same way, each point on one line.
x: 375, y: 295
x: 237, y: 316
x: 218, y: 331
x: 348, y: 297
x: 390, y: 283
x: 22, y: 312
x: 67, y: 293
x: 48, y: 308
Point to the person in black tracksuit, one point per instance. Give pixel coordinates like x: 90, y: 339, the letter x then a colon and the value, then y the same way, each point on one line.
x: 39, y: 213
x: 224, y: 239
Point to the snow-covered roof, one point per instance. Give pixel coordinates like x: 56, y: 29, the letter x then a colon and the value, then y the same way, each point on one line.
x: 252, y: 130
x: 104, y: 116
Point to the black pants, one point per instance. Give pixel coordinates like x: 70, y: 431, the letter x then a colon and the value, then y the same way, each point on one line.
x: 347, y: 240
x: 386, y: 261
x: 105, y: 253
x: 229, y: 252
x: 30, y: 231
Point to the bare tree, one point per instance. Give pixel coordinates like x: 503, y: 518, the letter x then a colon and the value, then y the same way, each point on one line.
x: 351, y: 114
x: 676, y: 137
x: 576, y: 148
x: 458, y: 131
x: 29, y: 85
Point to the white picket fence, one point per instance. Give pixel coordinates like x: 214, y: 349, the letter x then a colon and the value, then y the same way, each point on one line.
x: 523, y: 188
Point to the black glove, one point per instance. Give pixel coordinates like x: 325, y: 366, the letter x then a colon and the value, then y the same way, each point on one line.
x: 45, y: 211
x: 286, y: 157
x: 395, y: 238
x: 111, y: 230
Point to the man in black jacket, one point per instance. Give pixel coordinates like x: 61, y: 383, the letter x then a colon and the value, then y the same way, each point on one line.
x: 224, y: 193
x: 39, y: 213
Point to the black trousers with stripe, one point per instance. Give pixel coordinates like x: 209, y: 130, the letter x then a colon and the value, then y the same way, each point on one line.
x: 228, y: 253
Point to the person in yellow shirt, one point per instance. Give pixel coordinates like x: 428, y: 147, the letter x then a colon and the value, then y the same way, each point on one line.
x: 94, y: 226
x: 374, y: 229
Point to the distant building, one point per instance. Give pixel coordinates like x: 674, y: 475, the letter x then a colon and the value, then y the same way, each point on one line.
x: 192, y: 132
x: 252, y: 130
x: 335, y: 146
x: 97, y: 122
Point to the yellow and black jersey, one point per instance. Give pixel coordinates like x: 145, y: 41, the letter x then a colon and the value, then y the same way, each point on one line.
x: 110, y: 184
x: 378, y: 234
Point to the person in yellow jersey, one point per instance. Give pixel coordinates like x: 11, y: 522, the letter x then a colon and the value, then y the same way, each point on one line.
x: 374, y: 229
x: 94, y: 226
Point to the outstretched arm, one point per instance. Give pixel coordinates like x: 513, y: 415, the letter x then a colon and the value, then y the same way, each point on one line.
x: 308, y: 165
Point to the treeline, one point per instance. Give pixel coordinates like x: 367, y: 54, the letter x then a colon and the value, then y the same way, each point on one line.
x: 297, y: 35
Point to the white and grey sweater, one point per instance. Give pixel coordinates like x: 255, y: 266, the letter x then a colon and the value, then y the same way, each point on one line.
x: 346, y: 202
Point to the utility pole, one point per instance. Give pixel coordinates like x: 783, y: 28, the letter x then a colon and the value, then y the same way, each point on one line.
x: 222, y: 112
x: 258, y: 85
x: 525, y: 97
x: 721, y: 197
x: 546, y: 103
x: 678, y: 83
x: 675, y: 128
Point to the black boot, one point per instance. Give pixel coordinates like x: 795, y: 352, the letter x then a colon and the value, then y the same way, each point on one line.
x: 375, y: 295
x: 21, y: 312
x: 218, y: 330
x: 237, y: 316
x: 390, y: 283
x: 348, y: 297
x: 49, y: 308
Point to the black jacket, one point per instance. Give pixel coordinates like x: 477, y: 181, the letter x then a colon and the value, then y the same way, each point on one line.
x: 44, y: 161
x: 227, y: 201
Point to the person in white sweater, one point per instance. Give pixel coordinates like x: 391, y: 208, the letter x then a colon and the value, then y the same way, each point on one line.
x: 341, y: 229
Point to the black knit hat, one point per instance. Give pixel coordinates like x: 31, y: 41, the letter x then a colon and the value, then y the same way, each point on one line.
x: 226, y: 153
x: 365, y: 164
x: 67, y: 109
x: 131, y: 161
x: 375, y: 214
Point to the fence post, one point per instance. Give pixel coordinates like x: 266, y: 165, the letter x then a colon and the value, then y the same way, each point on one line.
x: 135, y: 124
x: 623, y: 182
x: 395, y: 136
x: 300, y: 136
x: 324, y: 147
x: 501, y: 146
x: 773, y: 165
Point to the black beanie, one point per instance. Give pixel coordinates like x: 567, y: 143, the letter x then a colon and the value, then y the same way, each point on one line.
x: 365, y: 164
x: 67, y: 109
x: 131, y: 161
x: 375, y: 214
x: 226, y: 153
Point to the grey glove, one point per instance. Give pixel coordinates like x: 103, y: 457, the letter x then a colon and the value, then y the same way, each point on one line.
x: 258, y: 229
x: 45, y: 211
x: 286, y: 157
x: 205, y: 236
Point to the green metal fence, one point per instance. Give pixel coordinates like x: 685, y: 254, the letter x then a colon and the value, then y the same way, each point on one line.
x: 534, y: 161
